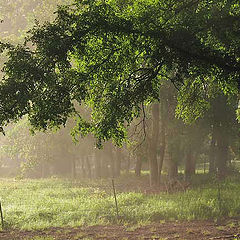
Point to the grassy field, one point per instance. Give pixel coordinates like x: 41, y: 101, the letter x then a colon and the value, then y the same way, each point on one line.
x: 37, y: 204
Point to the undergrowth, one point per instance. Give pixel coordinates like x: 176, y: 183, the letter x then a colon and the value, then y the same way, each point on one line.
x: 35, y: 204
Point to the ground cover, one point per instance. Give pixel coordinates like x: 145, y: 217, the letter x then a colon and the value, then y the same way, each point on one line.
x: 40, y: 204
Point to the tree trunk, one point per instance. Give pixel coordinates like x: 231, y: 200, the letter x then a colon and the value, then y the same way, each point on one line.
x: 222, y: 116
x: 111, y: 159
x: 98, y: 170
x: 163, y: 142
x: 42, y: 170
x: 153, y: 163
x: 88, y: 165
x: 222, y: 147
x: 73, y: 168
x: 190, y: 164
x: 118, y: 162
x: 172, y: 169
x: 128, y: 163
x: 138, y: 166
x: 212, y: 153
x: 104, y: 167
x: 83, y: 168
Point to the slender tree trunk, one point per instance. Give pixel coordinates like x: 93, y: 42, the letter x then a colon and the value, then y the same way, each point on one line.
x: 42, y: 170
x: 153, y: 163
x: 172, y: 169
x: 163, y: 141
x: 222, y: 115
x: 222, y: 146
x: 138, y: 166
x: 118, y: 162
x: 83, y: 168
x: 73, y: 168
x: 88, y: 165
x: 128, y: 163
x: 112, y: 166
x: 111, y: 159
x: 212, y: 153
x: 190, y: 164
x: 98, y: 171
x: 104, y: 167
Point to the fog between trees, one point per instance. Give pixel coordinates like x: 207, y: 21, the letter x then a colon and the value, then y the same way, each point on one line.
x: 157, y: 142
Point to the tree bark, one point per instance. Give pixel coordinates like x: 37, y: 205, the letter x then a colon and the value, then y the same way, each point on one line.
x: 212, y: 153
x: 153, y: 163
x: 42, y: 170
x: 111, y: 159
x: 83, y: 168
x: 138, y: 166
x: 98, y: 170
x: 88, y: 165
x: 172, y: 169
x: 104, y: 167
x: 222, y: 118
x: 163, y: 141
x: 73, y: 168
x: 118, y: 162
x: 190, y: 164
x: 222, y: 146
x: 128, y: 164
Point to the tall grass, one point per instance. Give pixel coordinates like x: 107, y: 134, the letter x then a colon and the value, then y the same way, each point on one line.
x: 34, y: 204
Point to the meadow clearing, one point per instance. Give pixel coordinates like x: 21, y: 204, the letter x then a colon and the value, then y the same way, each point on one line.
x: 50, y: 208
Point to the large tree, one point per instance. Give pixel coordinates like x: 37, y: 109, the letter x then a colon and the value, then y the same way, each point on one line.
x: 112, y: 56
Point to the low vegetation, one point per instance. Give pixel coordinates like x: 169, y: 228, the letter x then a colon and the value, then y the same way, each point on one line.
x: 36, y: 204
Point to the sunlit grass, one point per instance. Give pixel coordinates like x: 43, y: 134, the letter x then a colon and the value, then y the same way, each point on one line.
x: 34, y: 204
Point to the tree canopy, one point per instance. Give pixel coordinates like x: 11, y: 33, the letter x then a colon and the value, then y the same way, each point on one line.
x: 114, y: 55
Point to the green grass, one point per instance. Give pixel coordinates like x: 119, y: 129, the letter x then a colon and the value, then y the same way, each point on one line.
x: 35, y: 204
